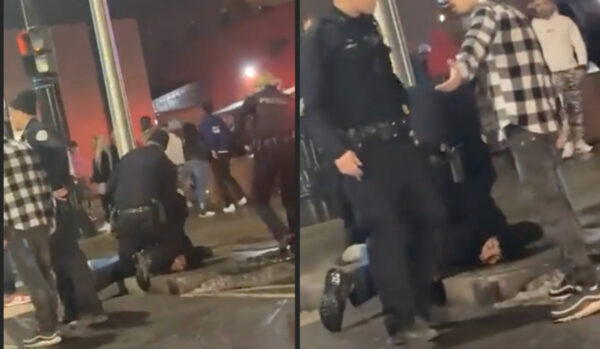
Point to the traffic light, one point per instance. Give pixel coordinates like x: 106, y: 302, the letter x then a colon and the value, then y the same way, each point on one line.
x: 35, y: 47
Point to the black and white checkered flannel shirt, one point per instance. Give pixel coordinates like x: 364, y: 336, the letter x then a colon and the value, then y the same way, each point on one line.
x: 27, y: 195
x: 502, y: 53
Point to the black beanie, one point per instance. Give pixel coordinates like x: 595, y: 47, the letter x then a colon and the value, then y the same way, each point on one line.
x: 159, y: 137
x: 26, y: 102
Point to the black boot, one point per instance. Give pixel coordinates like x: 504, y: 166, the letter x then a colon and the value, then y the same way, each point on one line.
x: 142, y: 270
x: 333, y: 302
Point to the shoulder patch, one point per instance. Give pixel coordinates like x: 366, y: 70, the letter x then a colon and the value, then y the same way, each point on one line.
x: 41, y: 136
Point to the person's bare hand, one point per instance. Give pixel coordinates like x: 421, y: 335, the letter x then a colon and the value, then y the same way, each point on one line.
x: 61, y: 194
x: 454, y: 81
x: 350, y: 165
x: 491, y: 252
x: 214, y: 154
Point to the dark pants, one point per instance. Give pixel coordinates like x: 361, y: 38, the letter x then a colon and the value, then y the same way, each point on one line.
x: 398, y: 202
x: 228, y: 188
x: 537, y: 165
x: 10, y: 286
x: 142, y: 232
x: 31, y: 254
x: 74, y: 279
x: 272, y: 163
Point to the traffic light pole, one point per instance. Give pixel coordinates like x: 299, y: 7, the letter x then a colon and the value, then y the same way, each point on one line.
x: 46, y: 87
x: 113, y: 78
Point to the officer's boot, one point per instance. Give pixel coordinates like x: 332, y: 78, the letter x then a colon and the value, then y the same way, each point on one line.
x: 338, y: 286
x: 142, y: 270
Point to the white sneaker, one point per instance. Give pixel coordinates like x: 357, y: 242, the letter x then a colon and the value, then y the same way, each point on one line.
x: 105, y: 228
x: 568, y: 150
x: 582, y: 147
x: 243, y: 201
x: 206, y: 214
x: 229, y: 209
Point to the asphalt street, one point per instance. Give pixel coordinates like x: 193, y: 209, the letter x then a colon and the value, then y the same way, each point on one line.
x: 160, y: 322
x: 516, y: 328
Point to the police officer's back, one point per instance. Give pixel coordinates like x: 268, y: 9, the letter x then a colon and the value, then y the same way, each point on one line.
x: 271, y: 113
x: 271, y: 125
x: 144, y: 174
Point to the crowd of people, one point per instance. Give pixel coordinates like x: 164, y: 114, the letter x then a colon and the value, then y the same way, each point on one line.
x: 143, y: 196
x: 416, y: 165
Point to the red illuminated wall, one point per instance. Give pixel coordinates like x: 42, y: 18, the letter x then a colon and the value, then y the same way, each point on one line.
x: 216, y: 60
x: 79, y: 87
x: 133, y: 67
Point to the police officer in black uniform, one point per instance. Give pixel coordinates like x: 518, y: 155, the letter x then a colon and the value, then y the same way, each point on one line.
x: 270, y: 122
x: 357, y: 109
x: 148, y: 213
x: 74, y: 279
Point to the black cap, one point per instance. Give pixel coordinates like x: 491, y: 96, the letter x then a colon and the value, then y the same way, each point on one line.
x: 26, y: 102
x: 159, y: 137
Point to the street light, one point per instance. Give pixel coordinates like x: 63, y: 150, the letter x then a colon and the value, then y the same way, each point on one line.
x: 250, y: 71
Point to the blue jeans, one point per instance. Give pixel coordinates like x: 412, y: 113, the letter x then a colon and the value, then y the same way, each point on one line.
x: 197, y: 170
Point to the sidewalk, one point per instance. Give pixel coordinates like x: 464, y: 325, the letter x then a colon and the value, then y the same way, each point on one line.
x: 322, y: 243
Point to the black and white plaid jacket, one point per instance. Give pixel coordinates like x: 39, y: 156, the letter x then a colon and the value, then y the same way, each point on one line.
x: 27, y: 194
x: 502, y: 53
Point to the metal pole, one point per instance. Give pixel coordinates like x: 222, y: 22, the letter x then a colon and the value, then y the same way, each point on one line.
x: 113, y: 78
x: 388, y: 16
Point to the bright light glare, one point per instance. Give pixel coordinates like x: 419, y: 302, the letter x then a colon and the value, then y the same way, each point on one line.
x: 250, y: 71
x: 442, y: 18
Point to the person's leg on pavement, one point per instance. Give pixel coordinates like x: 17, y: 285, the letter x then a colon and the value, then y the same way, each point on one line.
x: 537, y: 167
x: 28, y: 252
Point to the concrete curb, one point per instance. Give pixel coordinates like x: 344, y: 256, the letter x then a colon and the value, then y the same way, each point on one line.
x: 218, y: 277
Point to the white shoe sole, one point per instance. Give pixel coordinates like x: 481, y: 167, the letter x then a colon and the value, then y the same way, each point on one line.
x: 55, y: 341
x: 591, y: 309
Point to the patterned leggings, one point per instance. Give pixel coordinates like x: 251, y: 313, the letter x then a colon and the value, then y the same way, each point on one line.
x: 568, y: 86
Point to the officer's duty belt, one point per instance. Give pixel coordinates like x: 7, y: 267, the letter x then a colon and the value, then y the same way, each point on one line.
x: 382, y: 131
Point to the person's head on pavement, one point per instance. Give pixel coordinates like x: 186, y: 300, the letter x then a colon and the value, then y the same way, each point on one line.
x: 22, y: 109
x: 159, y: 137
